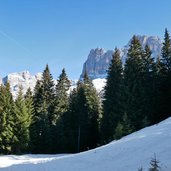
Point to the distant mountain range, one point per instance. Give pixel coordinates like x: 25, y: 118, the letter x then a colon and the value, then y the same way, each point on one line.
x: 96, y: 65
x: 21, y: 79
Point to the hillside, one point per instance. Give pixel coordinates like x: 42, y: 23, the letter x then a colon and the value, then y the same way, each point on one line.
x: 126, y: 154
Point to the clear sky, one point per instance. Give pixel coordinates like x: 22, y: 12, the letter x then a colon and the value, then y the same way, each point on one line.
x: 62, y: 32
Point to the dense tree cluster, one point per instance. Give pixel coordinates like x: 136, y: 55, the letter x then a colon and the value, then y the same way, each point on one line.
x: 50, y: 120
x: 139, y: 94
x: 55, y: 119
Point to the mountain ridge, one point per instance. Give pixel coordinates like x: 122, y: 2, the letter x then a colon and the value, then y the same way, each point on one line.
x: 98, y: 59
x: 96, y: 66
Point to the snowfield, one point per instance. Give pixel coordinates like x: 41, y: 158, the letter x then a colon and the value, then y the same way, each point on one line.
x: 126, y: 154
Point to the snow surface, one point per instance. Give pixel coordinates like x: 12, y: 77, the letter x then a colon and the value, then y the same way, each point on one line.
x: 126, y: 154
x: 99, y: 84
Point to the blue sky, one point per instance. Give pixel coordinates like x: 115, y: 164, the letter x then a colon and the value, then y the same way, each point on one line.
x: 62, y: 32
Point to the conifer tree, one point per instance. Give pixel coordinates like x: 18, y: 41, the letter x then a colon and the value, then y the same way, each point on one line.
x: 83, y: 116
x: 29, y: 103
x: 22, y: 119
x: 123, y: 128
x: 166, y: 51
x: 133, y: 84
x: 41, y: 135
x: 48, y: 92
x: 154, y: 164
x: 166, y: 75
x: 113, y: 98
x: 38, y: 122
x: 147, y: 79
x: 94, y: 111
x: 70, y: 119
x: 158, y: 98
x: 61, y: 97
x: 61, y: 104
x: 30, y: 110
x: 6, y: 119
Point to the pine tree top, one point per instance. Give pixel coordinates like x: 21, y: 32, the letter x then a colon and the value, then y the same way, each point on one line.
x: 135, y: 48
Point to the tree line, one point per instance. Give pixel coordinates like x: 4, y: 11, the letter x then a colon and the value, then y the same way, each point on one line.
x: 55, y: 119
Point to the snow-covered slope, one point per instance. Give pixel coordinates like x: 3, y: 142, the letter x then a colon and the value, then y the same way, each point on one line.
x: 126, y: 154
x: 99, y: 84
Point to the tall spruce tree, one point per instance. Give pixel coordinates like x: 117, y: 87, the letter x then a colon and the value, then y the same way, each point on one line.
x: 94, y: 111
x: 6, y: 119
x: 61, y: 97
x: 61, y: 104
x: 156, y: 91
x: 22, y: 119
x: 48, y: 92
x: 39, y: 121
x: 71, y: 120
x: 133, y: 84
x: 30, y: 110
x: 166, y: 51
x: 83, y: 116
x: 41, y: 135
x: 113, y: 107
x: 166, y: 76
x: 147, y: 80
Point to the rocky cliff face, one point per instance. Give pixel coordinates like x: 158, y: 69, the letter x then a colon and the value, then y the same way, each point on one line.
x: 97, y: 63
x: 98, y: 59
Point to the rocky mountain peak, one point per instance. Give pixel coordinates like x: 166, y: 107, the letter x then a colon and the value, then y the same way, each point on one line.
x: 21, y: 79
x: 98, y: 59
x: 98, y: 52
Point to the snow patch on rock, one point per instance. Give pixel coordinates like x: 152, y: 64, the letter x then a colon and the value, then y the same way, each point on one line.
x: 21, y: 79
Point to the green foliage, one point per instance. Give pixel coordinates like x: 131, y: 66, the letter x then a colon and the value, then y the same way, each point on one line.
x: 83, y: 117
x: 22, y: 119
x: 113, y: 107
x: 61, y: 97
x: 41, y: 135
x: 123, y: 128
x: 61, y: 104
x: 6, y: 119
x: 94, y: 110
x: 54, y: 121
x: 134, y: 80
x: 166, y: 51
x: 165, y: 76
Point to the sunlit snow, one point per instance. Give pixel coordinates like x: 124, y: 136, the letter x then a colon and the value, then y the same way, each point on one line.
x: 126, y: 154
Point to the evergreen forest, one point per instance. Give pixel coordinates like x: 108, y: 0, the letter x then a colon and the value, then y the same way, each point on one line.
x: 55, y: 119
